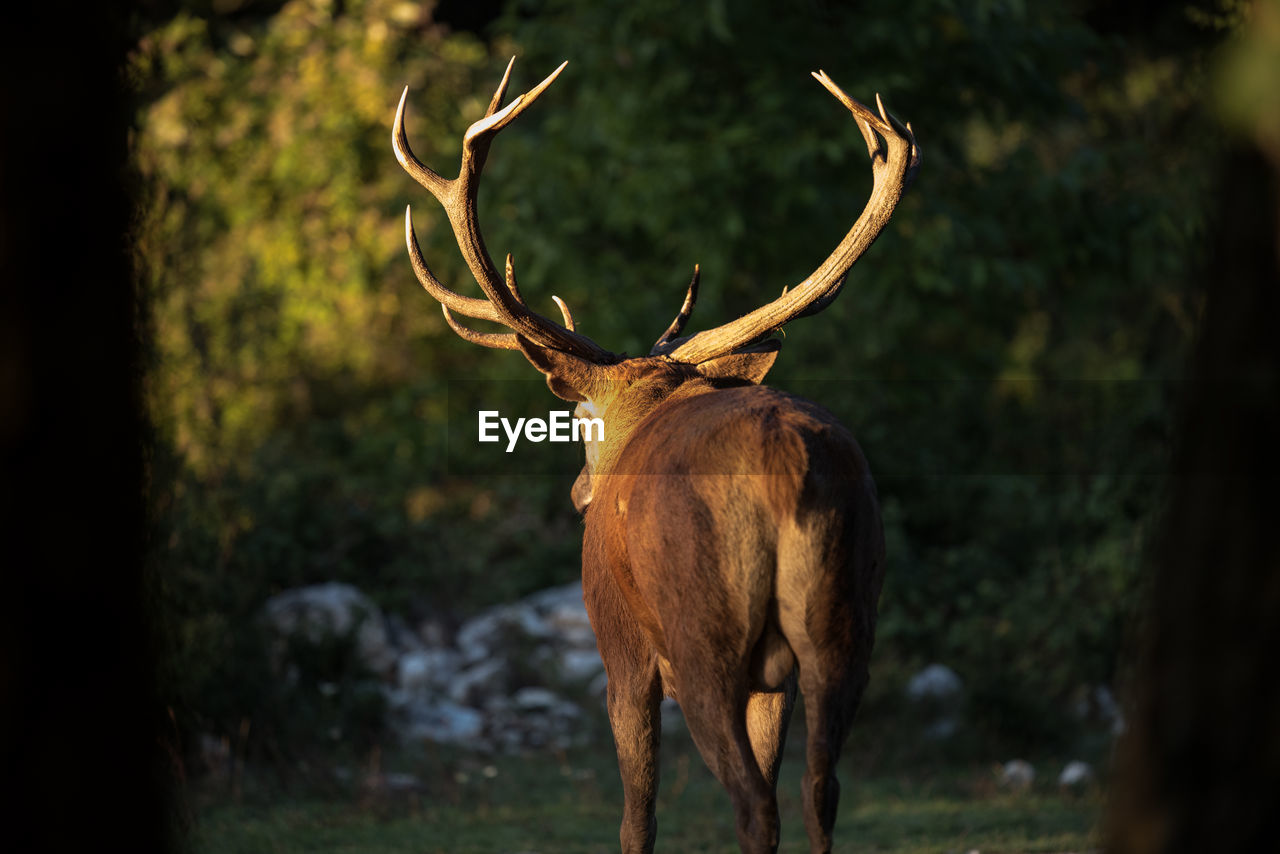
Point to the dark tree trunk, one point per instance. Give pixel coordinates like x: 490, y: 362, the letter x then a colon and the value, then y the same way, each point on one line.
x: 78, y: 718
x: 1200, y: 767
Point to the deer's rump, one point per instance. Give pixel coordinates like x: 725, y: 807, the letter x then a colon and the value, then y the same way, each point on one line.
x: 733, y: 514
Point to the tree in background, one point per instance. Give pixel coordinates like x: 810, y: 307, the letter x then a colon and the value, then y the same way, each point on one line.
x: 297, y: 385
x: 1200, y: 767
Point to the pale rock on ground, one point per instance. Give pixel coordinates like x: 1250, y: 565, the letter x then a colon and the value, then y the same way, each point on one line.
x: 1097, y: 703
x: 1076, y: 774
x: 935, y: 682
x: 937, y: 692
x: 332, y: 609
x: 1017, y: 775
x: 504, y: 682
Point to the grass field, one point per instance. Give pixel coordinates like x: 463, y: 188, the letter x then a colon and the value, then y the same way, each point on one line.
x: 571, y: 802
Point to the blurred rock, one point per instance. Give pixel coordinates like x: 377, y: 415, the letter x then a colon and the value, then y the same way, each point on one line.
x: 401, y: 635
x: 1096, y: 704
x: 567, y: 614
x: 535, y: 719
x: 672, y: 714
x: 937, y: 693
x: 1017, y: 775
x: 432, y: 633
x: 445, y: 722
x: 1075, y: 775
x: 479, y: 681
x: 332, y: 610
x: 1109, y: 710
x: 937, y: 682
x: 499, y: 629
x: 502, y: 684
x: 423, y: 671
x: 579, y: 665
x: 530, y: 699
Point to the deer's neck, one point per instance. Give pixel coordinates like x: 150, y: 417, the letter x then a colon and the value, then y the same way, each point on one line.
x: 627, y: 411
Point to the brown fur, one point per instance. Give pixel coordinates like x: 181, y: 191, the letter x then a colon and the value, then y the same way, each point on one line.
x: 732, y: 551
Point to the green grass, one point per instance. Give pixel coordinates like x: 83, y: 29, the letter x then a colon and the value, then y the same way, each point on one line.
x: 571, y: 803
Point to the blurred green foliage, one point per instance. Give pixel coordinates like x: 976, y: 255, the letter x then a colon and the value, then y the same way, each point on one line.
x: 1003, y: 352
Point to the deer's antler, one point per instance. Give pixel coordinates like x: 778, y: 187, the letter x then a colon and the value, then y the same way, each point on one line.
x: 895, y: 159
x: 503, y: 303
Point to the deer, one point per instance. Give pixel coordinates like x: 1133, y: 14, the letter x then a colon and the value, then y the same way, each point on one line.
x: 733, y: 550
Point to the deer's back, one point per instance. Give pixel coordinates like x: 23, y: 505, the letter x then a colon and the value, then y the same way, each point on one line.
x: 710, y: 489
x: 748, y: 430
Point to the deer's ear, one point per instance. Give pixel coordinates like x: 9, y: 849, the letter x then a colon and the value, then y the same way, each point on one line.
x: 569, y: 377
x: 749, y: 364
x: 580, y: 495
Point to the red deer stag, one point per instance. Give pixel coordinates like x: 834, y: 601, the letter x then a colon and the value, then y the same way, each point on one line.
x: 732, y: 544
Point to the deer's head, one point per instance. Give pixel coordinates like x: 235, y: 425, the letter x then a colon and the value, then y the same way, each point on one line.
x: 622, y: 390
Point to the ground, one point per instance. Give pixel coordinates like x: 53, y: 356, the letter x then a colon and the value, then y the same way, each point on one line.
x: 570, y: 802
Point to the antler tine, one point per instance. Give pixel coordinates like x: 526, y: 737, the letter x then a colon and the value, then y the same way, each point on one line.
x: 565, y: 313
x: 495, y: 340
x: 511, y: 281
x: 469, y: 306
x: 501, y: 91
x: 913, y: 167
x: 895, y: 159
x: 423, y: 174
x: 515, y: 292
x: 458, y: 197
x: 677, y: 325
x: 868, y: 122
x: 476, y: 140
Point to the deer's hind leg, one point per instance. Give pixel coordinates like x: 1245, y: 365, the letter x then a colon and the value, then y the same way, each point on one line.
x: 634, y: 717
x: 710, y: 594
x: 832, y: 676
x: 716, y: 713
x: 738, y: 732
x: 829, y: 584
x: 634, y: 695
